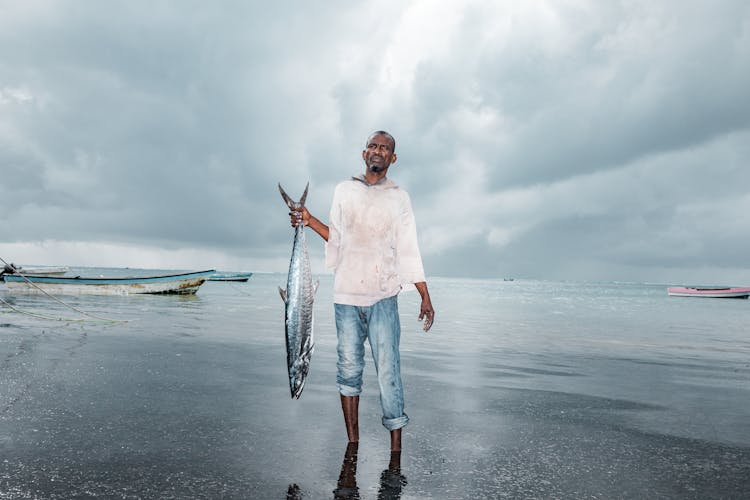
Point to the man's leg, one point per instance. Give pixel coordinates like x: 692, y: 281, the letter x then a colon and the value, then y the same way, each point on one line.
x: 350, y: 407
x: 385, y: 335
x: 350, y: 330
x: 396, y: 440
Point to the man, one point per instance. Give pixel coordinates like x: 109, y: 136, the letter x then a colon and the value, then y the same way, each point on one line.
x: 371, y: 244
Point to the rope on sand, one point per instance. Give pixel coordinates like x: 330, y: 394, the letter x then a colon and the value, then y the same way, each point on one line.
x: 40, y: 316
x: 93, y: 317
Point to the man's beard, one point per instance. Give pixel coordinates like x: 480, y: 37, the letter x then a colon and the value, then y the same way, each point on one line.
x: 376, y: 169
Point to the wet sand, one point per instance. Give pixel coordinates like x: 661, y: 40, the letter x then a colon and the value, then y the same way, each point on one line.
x: 102, y: 416
x: 191, y: 401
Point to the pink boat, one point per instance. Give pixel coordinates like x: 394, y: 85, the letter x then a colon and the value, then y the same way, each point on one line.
x: 710, y: 291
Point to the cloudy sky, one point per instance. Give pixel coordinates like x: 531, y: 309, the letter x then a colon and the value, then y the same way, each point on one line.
x: 580, y: 140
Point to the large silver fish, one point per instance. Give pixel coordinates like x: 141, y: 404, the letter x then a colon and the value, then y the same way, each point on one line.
x: 298, y: 300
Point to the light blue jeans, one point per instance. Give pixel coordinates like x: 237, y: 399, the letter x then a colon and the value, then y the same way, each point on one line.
x: 379, y: 324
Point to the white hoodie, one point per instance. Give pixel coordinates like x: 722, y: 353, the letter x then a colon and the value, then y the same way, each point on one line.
x: 372, y: 242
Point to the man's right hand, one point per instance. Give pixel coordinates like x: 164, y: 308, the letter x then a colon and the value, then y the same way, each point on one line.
x: 300, y: 217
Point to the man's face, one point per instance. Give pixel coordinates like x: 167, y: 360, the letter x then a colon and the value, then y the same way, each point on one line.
x: 378, y: 153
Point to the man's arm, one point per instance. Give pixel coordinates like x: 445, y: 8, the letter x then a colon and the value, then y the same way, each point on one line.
x: 306, y: 219
x: 426, y: 311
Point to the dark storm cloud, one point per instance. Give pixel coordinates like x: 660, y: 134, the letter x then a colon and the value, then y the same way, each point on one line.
x: 163, y: 124
x: 598, y: 90
x: 538, y: 139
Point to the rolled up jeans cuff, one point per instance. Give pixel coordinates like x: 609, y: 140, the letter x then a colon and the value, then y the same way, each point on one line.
x: 395, y: 423
x: 346, y: 390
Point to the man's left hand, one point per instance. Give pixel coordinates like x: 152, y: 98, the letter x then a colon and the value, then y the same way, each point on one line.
x: 426, y: 313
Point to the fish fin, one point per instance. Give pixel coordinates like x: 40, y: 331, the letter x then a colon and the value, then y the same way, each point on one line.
x: 282, y: 292
x: 308, y: 352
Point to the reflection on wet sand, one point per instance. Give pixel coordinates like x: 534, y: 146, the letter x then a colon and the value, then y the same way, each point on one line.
x: 293, y: 493
x: 346, y: 487
x: 391, y: 479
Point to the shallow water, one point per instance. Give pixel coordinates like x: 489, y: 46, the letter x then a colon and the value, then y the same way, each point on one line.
x: 522, y: 389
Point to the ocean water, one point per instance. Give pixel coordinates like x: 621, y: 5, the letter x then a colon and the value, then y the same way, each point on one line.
x: 522, y: 389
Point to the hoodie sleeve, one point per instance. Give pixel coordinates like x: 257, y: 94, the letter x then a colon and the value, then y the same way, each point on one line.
x: 410, y: 267
x: 334, y: 231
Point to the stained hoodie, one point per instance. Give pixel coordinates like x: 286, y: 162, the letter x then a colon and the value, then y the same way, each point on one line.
x: 372, y: 242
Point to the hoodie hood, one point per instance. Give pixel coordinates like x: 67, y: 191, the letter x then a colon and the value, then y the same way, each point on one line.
x: 384, y: 183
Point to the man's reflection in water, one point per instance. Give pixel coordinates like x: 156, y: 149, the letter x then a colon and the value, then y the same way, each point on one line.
x: 346, y: 488
x: 293, y: 493
x: 391, y: 479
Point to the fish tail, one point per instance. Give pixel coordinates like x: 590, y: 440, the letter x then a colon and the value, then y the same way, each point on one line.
x: 294, y: 205
x: 304, y: 195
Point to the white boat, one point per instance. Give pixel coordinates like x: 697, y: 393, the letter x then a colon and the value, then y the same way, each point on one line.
x: 182, y: 283
x: 41, y: 270
x: 710, y: 291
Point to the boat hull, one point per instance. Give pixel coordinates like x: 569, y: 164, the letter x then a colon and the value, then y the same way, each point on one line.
x: 716, y: 293
x: 230, y: 277
x: 183, y: 283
